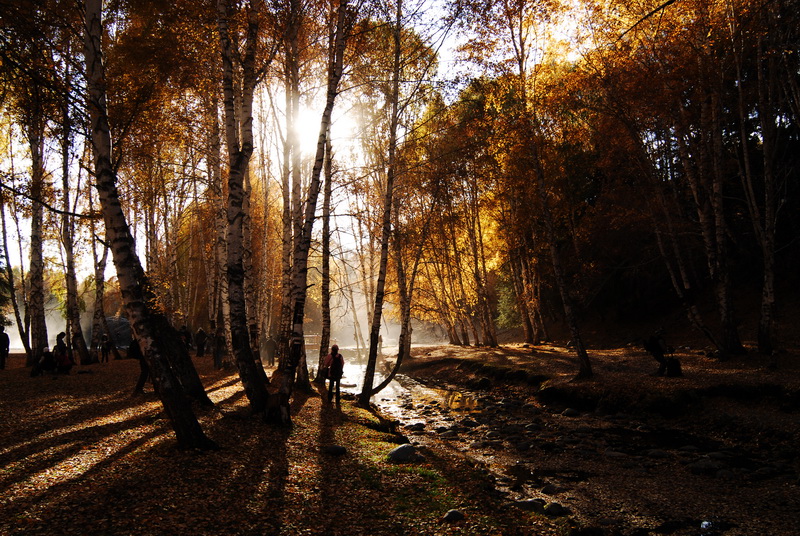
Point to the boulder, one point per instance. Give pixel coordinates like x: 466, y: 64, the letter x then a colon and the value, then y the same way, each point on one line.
x: 453, y: 516
x: 404, y: 453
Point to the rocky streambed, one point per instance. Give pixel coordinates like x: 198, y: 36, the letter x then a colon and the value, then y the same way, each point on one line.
x: 606, y: 473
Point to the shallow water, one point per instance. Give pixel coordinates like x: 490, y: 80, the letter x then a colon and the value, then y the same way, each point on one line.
x: 402, y: 390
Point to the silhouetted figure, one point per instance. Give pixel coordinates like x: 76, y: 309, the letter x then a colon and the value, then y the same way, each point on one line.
x: 105, y: 348
x: 46, y: 363
x: 186, y: 337
x: 4, y: 346
x: 656, y: 346
x: 220, y: 345
x: 135, y: 352
x: 63, y: 355
x: 334, y: 366
x: 200, y: 339
x: 271, y: 347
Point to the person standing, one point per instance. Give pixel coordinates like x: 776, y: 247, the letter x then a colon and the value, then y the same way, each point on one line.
x: 334, y: 365
x: 105, y: 348
x: 220, y: 347
x: 4, y: 346
x: 135, y: 352
x: 63, y: 355
x: 271, y: 347
x: 200, y: 340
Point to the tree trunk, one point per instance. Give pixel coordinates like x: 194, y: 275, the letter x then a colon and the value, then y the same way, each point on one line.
x: 12, y: 286
x: 767, y: 93
x: 36, y: 301
x: 325, y: 335
x: 281, y: 412
x: 75, y: 332
x: 585, y: 369
x: 386, y: 227
x: 239, y: 152
x: 132, y: 281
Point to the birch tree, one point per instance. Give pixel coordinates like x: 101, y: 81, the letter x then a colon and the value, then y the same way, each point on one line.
x: 151, y: 330
x: 238, y: 108
x: 344, y: 20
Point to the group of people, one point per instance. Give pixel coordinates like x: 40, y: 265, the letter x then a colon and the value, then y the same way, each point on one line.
x: 59, y: 361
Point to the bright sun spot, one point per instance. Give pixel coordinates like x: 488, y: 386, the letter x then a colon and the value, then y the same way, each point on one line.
x: 343, y: 129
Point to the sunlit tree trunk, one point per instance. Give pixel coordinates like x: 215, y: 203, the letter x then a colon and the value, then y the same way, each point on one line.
x: 358, y: 336
x: 75, y: 332
x: 99, y: 324
x: 22, y: 328
x: 386, y: 227
x: 302, y: 246
x: 219, y: 317
x: 325, y: 335
x: 34, y: 129
x: 239, y: 141
x: 146, y: 325
x: 251, y: 293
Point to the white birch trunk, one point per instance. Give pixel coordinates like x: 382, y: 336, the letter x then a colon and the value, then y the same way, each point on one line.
x: 132, y: 283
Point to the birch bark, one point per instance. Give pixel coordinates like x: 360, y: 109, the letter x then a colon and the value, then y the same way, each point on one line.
x: 132, y: 282
x: 239, y: 142
x: 302, y: 246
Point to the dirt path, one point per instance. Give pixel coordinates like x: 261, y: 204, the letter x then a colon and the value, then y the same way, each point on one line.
x: 713, y: 452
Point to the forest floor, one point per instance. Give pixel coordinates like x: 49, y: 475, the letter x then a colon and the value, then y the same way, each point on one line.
x: 713, y: 452
x: 80, y: 455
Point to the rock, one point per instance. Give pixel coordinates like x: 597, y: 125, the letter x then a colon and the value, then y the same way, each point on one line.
x: 484, y: 384
x: 614, y: 454
x: 725, y: 474
x: 453, y: 516
x: 763, y: 473
x: 334, y: 450
x: 531, y: 505
x: 570, y: 412
x: 556, y: 510
x: 706, y: 466
x: 416, y: 427
x: 719, y: 456
x: 469, y: 422
x: 551, y: 489
x: 522, y: 446
x: 403, y: 454
x: 658, y: 454
x: 531, y: 409
x: 448, y: 434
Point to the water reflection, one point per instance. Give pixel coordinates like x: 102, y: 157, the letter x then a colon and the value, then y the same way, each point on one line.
x: 401, y: 389
x: 459, y: 401
x: 355, y: 367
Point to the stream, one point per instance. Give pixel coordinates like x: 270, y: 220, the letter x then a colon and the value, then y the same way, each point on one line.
x: 555, y: 461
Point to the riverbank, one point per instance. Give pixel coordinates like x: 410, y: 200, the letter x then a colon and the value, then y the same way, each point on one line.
x: 626, y: 452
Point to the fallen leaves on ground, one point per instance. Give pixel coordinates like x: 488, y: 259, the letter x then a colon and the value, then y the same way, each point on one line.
x: 80, y: 454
